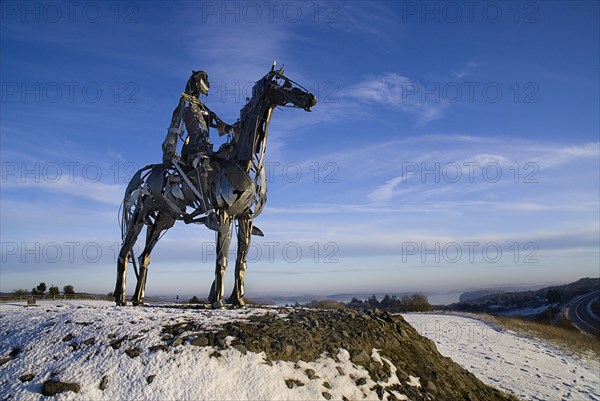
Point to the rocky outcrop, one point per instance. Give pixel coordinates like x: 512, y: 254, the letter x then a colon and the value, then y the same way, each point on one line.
x: 305, y: 334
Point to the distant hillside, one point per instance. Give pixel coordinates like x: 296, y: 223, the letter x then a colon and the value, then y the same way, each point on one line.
x: 534, y: 301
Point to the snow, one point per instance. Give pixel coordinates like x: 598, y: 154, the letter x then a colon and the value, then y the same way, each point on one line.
x: 528, y: 368
x: 413, y: 381
x: 182, y: 372
x: 530, y: 311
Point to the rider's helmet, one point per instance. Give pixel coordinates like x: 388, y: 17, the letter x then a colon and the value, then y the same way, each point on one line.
x: 198, y: 83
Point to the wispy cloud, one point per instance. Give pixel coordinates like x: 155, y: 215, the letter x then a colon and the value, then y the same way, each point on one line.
x: 111, y: 194
x: 399, y: 92
x: 464, y: 71
x: 513, y: 161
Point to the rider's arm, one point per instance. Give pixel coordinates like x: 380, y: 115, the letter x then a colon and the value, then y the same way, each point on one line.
x: 215, y: 122
x: 169, y: 145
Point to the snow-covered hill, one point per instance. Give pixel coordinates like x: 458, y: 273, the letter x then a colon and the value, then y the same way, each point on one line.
x: 527, y: 368
x: 165, y: 353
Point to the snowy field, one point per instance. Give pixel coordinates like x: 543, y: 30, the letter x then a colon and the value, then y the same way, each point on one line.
x: 70, y: 341
x: 527, y: 368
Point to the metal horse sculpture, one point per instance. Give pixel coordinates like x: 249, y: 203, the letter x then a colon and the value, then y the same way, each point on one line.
x: 158, y: 196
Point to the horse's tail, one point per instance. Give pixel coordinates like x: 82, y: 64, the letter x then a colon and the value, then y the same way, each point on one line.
x: 130, y: 204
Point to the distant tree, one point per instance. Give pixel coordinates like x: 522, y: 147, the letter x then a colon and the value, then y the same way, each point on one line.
x: 68, y: 289
x: 20, y: 292
x: 407, y: 304
x: 54, y: 290
x: 35, y: 292
x: 41, y: 288
x: 373, y: 301
x: 326, y: 304
x: 420, y: 302
x: 386, y: 302
x: 194, y: 300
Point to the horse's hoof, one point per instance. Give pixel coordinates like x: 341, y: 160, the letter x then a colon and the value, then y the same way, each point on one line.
x: 239, y: 304
x: 121, y: 303
x: 217, y: 305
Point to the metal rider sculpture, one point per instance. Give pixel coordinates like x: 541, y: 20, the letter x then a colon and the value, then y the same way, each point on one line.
x: 160, y: 194
x: 197, y: 149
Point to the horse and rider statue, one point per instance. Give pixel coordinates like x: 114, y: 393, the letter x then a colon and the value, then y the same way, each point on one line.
x: 215, y: 188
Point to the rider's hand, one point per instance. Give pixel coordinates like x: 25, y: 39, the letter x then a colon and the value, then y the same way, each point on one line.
x: 167, y: 158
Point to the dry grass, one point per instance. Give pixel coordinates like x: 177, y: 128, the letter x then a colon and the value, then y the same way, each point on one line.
x: 562, y: 334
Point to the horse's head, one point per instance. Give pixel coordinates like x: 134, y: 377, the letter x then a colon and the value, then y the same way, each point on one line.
x: 282, y: 91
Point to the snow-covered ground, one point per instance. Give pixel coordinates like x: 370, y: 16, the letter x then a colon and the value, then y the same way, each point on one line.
x: 525, y: 367
x: 70, y: 341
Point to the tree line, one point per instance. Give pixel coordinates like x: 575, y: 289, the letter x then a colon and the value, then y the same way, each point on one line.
x: 417, y: 302
x: 41, y: 288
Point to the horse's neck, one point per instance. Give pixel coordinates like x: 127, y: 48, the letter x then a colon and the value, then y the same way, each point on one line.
x: 251, y: 141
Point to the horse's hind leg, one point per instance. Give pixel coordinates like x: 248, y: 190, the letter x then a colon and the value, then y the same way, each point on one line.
x: 223, y: 240
x: 126, y: 247
x: 163, y: 222
x: 243, y: 243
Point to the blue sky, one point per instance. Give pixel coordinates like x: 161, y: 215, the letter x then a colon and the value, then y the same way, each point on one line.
x: 455, y: 144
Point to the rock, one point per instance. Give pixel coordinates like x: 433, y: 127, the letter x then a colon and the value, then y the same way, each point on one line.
x: 241, y: 347
x: 379, y: 391
x: 178, y: 341
x: 327, y: 385
x: 361, y: 358
x: 14, y: 352
x: 4, y: 360
x: 90, y: 341
x: 291, y: 383
x: 310, y: 373
x: 68, y: 337
x: 150, y: 379
x: 430, y: 387
x: 156, y: 348
x: 133, y: 352
x: 201, y: 341
x: 27, y: 377
x: 361, y: 382
x: 53, y: 387
x: 103, y: 383
x: 326, y: 395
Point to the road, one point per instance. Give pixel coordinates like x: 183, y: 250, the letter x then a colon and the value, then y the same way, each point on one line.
x: 580, y: 313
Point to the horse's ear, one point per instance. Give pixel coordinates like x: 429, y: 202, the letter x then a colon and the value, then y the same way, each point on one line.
x: 280, y: 71
x: 274, y: 64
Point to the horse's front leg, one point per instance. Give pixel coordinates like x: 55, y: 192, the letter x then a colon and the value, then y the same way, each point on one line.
x: 223, y: 240
x: 243, y: 243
